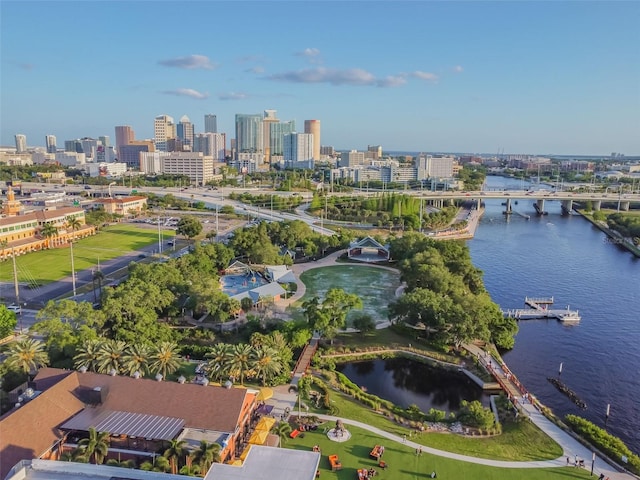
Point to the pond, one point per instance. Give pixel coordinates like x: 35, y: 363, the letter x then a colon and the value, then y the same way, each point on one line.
x: 405, y: 382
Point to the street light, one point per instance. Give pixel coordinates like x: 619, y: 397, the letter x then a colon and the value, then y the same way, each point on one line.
x: 593, y: 461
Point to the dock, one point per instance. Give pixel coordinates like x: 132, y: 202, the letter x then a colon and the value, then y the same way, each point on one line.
x: 538, y: 308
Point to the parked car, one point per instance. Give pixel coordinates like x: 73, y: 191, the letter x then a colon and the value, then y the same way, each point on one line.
x: 15, y: 308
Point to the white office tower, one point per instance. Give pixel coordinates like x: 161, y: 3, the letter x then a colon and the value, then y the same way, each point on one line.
x: 352, y: 158
x: 210, y: 123
x: 428, y: 166
x: 50, y: 143
x: 197, y: 167
x: 21, y: 143
x: 163, y: 130
x: 184, y: 132
x: 298, y: 150
x: 210, y: 144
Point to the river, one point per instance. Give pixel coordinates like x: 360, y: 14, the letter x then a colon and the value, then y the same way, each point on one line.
x: 569, y: 259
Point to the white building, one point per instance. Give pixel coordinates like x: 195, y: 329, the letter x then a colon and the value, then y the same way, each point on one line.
x: 434, y: 167
x: 104, y: 169
x: 151, y: 162
x: 352, y: 158
x: 21, y: 143
x: 163, y: 130
x: 50, y: 141
x: 196, y: 166
x: 69, y: 159
x: 298, y: 150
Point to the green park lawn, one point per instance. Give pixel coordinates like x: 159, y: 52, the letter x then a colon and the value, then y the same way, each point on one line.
x: 50, y: 265
x: 375, y: 286
x: 404, y: 464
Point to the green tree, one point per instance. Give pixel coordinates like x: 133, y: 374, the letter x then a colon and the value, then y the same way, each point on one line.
x: 96, y: 445
x: 27, y: 355
x: 8, y: 321
x: 177, y: 450
x: 282, y: 429
x: 336, y: 305
x: 206, y: 454
x: 88, y: 355
x: 136, y: 359
x: 267, y: 363
x: 165, y: 359
x: 219, y: 359
x: 242, y: 361
x: 189, y: 226
x: 111, y: 356
x: 49, y: 231
x: 364, y: 323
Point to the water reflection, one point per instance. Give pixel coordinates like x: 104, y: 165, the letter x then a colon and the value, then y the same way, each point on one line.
x: 405, y: 382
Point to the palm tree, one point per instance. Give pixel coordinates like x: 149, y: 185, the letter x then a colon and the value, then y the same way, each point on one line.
x: 88, y: 355
x: 177, y: 449
x: 27, y: 355
x: 282, y: 429
x: 48, y: 231
x: 3, y: 244
x: 111, y: 355
x: 267, y: 363
x: 97, y: 445
x: 219, y: 357
x: 165, y: 359
x: 136, y: 359
x: 241, y: 361
x: 73, y: 223
x: 206, y: 454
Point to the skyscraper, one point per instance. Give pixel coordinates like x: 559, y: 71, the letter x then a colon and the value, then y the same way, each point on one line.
x: 210, y: 144
x: 298, y: 148
x: 269, y: 119
x: 163, y: 130
x: 50, y: 142
x: 313, y: 127
x: 184, y: 131
x: 124, y: 136
x: 106, y: 141
x: 249, y: 132
x: 21, y: 143
x: 277, y: 131
x: 210, y: 123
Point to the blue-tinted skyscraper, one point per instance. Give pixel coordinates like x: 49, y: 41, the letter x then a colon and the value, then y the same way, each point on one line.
x: 210, y: 123
x: 249, y: 133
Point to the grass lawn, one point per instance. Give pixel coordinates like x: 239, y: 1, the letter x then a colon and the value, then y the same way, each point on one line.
x: 519, y: 442
x: 404, y: 464
x: 375, y: 286
x: 50, y: 265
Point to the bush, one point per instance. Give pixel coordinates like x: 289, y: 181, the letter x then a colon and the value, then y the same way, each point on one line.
x: 474, y: 414
x: 603, y: 440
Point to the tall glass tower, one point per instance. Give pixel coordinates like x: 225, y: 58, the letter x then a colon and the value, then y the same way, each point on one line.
x: 210, y: 123
x: 249, y: 133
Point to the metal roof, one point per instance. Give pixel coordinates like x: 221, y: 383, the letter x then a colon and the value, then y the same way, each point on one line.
x: 141, y: 425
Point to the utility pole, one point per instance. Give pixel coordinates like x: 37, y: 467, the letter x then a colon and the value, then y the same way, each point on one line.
x: 15, y: 277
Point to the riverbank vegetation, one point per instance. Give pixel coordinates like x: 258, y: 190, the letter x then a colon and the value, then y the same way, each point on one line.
x: 445, y: 296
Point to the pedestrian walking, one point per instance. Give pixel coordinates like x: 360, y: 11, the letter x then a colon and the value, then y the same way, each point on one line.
x: 404, y: 439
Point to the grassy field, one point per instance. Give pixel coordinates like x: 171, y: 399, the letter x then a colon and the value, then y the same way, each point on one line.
x: 375, y: 286
x: 520, y: 442
x: 50, y: 265
x: 404, y: 464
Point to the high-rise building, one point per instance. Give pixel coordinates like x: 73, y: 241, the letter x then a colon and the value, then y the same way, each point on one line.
x: 21, y: 143
x: 270, y: 118
x: 124, y: 136
x: 197, y: 167
x: 298, y: 150
x: 210, y: 123
x: 313, y: 127
x: 163, y: 130
x: 106, y: 141
x: 210, y: 144
x: 50, y: 142
x: 130, y: 154
x: 352, y: 158
x: 184, y: 131
x: 277, y: 131
x: 249, y: 132
x: 374, y: 152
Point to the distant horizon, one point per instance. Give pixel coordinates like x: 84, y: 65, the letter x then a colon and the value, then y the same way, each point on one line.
x: 414, y: 75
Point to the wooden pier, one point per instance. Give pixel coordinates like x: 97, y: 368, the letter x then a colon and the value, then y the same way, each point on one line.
x: 539, y: 309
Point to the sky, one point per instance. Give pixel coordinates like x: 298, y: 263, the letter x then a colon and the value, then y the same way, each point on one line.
x: 450, y: 76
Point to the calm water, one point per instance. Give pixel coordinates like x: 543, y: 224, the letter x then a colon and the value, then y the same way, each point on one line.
x: 405, y: 382
x: 567, y: 258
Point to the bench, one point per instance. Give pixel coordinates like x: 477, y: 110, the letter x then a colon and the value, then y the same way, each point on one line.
x: 335, y: 463
x: 375, y: 453
x: 294, y: 433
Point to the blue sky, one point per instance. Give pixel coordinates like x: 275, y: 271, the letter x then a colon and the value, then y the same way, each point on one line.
x: 523, y: 77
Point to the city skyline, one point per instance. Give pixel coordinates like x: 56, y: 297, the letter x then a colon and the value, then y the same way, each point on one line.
x: 410, y: 76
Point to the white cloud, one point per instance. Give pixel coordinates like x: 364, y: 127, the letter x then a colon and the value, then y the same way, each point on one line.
x: 187, y: 92
x: 190, y: 62
x: 392, y: 81
x: 309, y: 52
x: 350, y: 76
x: 257, y: 70
x: 458, y: 69
x: 431, y: 77
x: 233, y: 96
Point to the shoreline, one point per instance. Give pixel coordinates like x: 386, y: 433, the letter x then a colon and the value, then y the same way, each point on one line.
x: 613, y: 237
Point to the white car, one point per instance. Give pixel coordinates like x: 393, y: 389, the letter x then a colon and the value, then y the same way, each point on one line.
x: 15, y: 308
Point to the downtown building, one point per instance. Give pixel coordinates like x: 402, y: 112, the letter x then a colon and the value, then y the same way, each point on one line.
x: 163, y: 129
x: 210, y: 123
x: 124, y: 136
x: 199, y: 168
x: 50, y: 143
x: 130, y: 154
x: 249, y: 133
x: 298, y: 150
x: 312, y: 127
x: 184, y: 131
x: 21, y: 143
x: 210, y: 144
